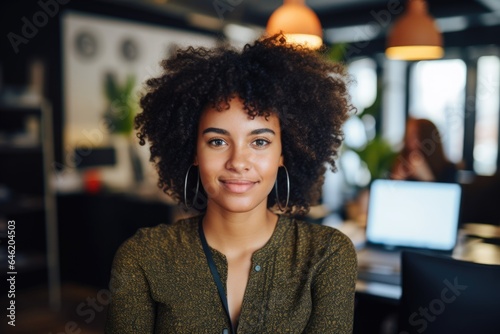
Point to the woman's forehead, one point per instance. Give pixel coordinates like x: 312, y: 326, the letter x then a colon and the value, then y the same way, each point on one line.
x: 237, y: 106
x: 237, y: 115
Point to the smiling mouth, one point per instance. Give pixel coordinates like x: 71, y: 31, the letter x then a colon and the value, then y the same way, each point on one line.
x: 237, y: 186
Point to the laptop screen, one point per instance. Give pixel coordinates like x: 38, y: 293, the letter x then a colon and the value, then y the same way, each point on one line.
x: 413, y: 214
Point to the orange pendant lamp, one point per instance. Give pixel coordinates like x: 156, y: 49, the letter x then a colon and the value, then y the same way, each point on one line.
x: 299, y: 24
x: 415, y: 35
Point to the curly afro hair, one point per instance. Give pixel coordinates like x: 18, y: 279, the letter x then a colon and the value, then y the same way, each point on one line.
x: 308, y: 93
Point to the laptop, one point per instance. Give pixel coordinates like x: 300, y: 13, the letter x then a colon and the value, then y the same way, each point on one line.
x: 401, y: 215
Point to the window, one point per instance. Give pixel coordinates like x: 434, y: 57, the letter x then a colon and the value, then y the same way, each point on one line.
x: 364, y: 91
x: 487, y: 115
x: 359, y: 130
x: 352, y: 171
x: 393, y: 103
x: 437, y: 92
x: 363, y: 94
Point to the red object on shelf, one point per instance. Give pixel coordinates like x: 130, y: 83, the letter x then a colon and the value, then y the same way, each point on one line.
x: 92, y: 181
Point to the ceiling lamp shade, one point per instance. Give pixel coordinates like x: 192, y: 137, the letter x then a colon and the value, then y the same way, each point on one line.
x: 298, y: 23
x: 415, y: 35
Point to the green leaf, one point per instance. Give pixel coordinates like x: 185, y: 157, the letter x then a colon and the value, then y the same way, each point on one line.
x: 336, y: 52
x: 378, y: 157
x: 121, y: 104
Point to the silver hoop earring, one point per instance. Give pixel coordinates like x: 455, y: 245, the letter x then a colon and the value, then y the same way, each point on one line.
x: 282, y: 209
x: 185, y: 188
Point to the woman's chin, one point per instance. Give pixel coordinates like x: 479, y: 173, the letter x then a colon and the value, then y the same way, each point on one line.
x: 239, y: 206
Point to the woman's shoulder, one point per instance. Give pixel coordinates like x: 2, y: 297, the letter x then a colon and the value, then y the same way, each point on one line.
x: 161, y: 236
x: 323, y: 237
x: 321, y: 246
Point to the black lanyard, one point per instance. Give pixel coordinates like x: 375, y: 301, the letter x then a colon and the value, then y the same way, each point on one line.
x: 215, y: 274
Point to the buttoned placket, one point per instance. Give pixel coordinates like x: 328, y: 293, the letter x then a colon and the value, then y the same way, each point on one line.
x: 255, y: 279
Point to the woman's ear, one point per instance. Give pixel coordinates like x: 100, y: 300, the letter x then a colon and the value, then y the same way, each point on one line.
x: 281, y: 163
x: 195, y: 162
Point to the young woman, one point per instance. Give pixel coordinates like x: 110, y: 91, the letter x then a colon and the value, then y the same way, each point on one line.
x: 244, y: 137
x: 422, y: 157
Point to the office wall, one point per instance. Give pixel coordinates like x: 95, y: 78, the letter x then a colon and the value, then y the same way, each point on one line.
x: 94, y: 46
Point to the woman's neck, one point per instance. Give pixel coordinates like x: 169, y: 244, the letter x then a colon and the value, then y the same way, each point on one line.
x: 237, y: 233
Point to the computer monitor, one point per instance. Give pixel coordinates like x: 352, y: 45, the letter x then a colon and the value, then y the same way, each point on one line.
x: 413, y: 214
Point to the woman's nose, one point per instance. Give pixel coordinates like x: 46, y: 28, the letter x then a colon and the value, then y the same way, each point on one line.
x: 239, y: 160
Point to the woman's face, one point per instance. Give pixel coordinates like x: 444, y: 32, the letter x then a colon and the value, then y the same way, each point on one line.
x: 238, y: 157
x: 412, y: 141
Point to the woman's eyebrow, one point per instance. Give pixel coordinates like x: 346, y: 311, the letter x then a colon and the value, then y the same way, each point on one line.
x: 261, y: 131
x: 216, y: 130
x: 225, y: 132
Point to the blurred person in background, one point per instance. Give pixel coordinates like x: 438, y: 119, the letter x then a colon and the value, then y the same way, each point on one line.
x: 422, y: 157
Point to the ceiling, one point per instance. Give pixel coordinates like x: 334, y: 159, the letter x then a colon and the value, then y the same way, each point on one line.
x: 464, y: 22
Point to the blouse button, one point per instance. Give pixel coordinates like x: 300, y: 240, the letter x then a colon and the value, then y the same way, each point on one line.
x: 257, y: 268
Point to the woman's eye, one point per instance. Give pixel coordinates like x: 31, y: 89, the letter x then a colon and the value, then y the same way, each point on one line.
x: 261, y: 142
x: 216, y: 142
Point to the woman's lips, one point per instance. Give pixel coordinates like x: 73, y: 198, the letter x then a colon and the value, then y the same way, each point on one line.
x: 237, y: 186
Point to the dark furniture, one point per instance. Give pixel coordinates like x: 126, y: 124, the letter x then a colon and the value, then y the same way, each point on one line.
x: 480, y: 200
x: 444, y: 295
x: 27, y: 201
x: 378, y: 301
x: 93, y: 226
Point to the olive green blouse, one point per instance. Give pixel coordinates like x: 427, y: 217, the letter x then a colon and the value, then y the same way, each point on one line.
x: 301, y: 281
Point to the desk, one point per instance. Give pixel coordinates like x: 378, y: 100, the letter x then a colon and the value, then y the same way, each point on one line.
x: 377, y: 304
x: 476, y: 243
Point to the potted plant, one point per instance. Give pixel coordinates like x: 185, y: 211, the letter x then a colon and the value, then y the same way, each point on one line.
x: 119, y: 119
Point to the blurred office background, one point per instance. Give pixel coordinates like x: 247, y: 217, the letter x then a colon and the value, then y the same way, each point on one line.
x: 77, y: 184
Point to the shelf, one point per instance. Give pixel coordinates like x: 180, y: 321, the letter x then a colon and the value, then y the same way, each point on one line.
x: 22, y: 109
x: 9, y: 149
x: 22, y: 205
x: 26, y: 148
